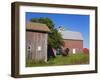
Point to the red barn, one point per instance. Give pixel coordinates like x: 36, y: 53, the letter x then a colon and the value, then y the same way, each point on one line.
x: 72, y: 40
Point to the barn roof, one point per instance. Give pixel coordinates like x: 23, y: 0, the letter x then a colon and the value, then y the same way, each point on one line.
x: 71, y: 35
x: 37, y: 27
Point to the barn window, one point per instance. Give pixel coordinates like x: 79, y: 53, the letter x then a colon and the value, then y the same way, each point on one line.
x: 39, y: 48
x: 74, y: 51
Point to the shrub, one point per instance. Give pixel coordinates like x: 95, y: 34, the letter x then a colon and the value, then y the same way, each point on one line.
x: 85, y: 50
x: 65, y: 52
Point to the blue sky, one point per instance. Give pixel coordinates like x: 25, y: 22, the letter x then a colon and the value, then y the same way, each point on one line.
x: 73, y: 22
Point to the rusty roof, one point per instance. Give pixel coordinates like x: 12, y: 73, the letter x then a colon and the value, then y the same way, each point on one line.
x: 37, y: 27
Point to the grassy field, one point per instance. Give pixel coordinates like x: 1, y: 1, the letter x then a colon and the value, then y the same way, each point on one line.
x: 61, y: 60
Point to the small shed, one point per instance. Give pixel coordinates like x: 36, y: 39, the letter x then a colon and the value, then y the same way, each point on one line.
x: 36, y: 41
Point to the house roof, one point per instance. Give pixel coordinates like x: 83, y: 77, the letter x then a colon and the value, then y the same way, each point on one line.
x: 71, y: 35
x: 37, y: 27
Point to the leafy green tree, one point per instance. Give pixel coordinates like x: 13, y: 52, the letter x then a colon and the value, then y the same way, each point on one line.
x: 54, y: 39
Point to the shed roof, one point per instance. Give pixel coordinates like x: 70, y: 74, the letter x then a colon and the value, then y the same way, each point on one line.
x: 71, y: 35
x: 37, y: 27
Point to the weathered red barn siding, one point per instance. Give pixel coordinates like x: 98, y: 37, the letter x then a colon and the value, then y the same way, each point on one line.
x: 35, y: 40
x: 73, y: 44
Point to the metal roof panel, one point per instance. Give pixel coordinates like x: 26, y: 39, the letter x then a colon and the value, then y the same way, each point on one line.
x: 72, y: 35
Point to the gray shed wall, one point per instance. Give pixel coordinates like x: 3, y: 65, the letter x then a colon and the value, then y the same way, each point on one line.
x: 38, y: 46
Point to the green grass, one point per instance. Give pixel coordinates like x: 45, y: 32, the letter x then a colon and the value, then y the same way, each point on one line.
x: 61, y: 60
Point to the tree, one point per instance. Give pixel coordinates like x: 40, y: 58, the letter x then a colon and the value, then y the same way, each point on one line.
x: 55, y: 39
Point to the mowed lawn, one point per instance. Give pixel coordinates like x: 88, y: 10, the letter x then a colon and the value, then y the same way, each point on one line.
x: 72, y: 59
